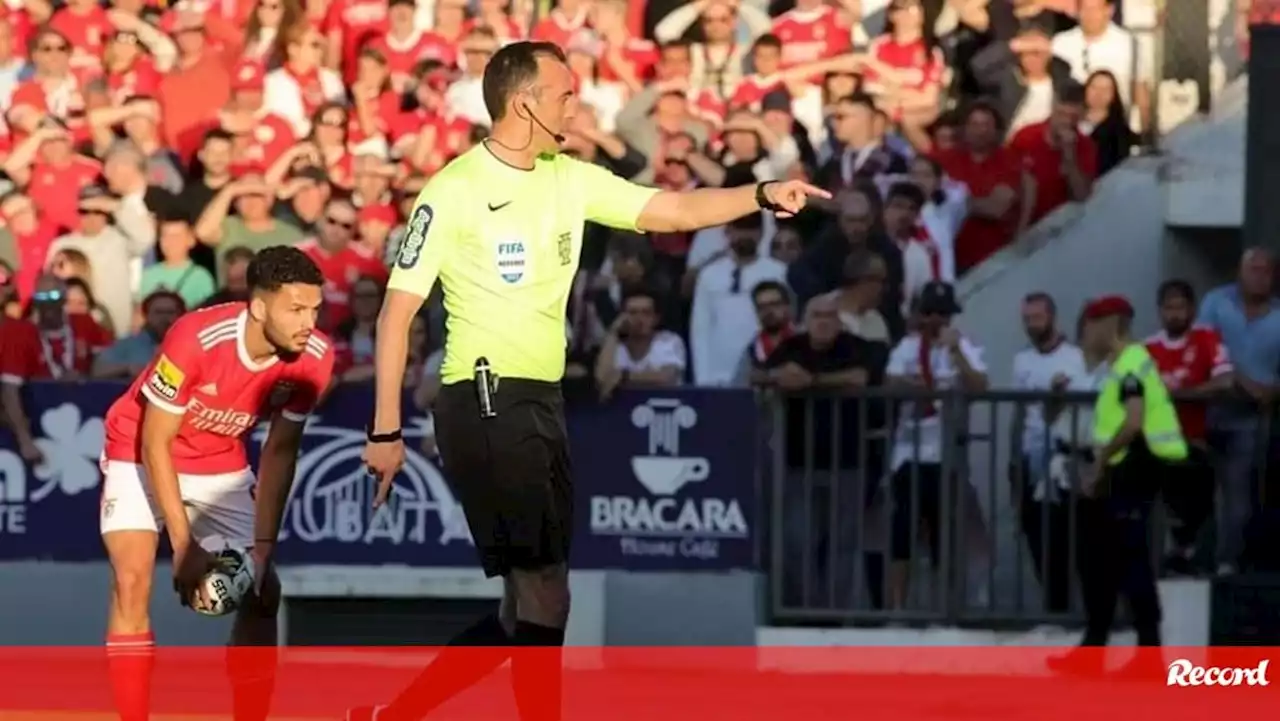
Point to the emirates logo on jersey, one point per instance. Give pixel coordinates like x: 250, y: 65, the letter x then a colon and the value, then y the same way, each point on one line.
x: 221, y: 422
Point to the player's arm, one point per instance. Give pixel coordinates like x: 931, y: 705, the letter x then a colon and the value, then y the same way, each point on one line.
x: 160, y: 426
x: 426, y: 244
x: 619, y: 203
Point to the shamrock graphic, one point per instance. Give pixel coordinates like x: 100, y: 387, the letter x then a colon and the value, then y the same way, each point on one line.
x: 70, y: 448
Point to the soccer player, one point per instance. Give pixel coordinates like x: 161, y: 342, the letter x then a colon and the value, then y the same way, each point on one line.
x: 175, y: 460
x: 501, y: 228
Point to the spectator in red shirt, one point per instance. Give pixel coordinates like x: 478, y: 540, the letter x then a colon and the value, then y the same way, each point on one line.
x: 996, y: 184
x: 135, y: 57
x: 33, y: 236
x: 47, y: 167
x: 495, y: 15
x: 1192, y: 359
x: 404, y: 45
x: 375, y: 105
x: 348, y: 25
x: 906, y: 66
x: 810, y: 32
x: 52, y: 89
x: 627, y: 59
x: 568, y: 17
x: 429, y: 134
x: 1062, y: 161
x: 196, y: 89
x: 56, y: 346
x: 342, y: 261
x: 84, y: 24
x: 260, y: 136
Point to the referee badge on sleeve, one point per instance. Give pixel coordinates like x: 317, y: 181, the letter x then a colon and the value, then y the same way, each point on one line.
x: 416, y: 237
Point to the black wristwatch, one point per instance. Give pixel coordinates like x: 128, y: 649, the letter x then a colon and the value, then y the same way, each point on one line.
x: 762, y: 199
x: 388, y: 437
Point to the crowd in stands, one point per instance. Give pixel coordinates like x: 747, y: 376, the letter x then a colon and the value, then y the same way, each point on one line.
x: 149, y: 149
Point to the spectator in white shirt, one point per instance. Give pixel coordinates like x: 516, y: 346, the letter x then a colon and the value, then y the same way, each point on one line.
x: 723, y: 319
x: 1097, y: 43
x: 636, y: 353
x: 921, y: 259
x: 945, y: 208
x: 465, y: 97
x: 933, y: 357
x: 1050, y: 363
x: 301, y: 84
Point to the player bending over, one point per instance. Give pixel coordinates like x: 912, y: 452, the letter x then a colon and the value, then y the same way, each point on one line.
x: 175, y: 460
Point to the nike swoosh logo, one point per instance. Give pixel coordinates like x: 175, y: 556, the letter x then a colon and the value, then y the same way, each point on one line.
x: 499, y: 206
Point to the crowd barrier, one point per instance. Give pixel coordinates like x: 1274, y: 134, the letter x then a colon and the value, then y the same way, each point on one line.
x: 797, y: 486
x: 658, y: 487
x: 849, y: 544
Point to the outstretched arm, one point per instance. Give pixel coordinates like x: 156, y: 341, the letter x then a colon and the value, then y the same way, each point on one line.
x: 618, y: 203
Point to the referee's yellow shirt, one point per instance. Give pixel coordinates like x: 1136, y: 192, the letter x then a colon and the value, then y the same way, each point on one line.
x: 504, y: 243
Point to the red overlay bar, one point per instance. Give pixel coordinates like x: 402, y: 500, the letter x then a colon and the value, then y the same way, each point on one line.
x: 679, y: 684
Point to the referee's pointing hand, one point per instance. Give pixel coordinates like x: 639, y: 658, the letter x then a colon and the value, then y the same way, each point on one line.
x: 791, y: 195
x: 383, y: 461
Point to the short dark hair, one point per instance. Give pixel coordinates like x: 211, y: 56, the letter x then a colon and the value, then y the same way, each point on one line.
x: 1176, y: 287
x: 860, y: 98
x: 213, y: 134
x: 858, y: 265
x: 1071, y: 93
x: 280, y: 265
x: 768, y: 40
x: 981, y: 105
x: 237, y: 254
x: 511, y: 69
x: 173, y: 214
x: 909, y: 192
x: 765, y: 286
x: 163, y: 294
x: 1039, y: 296
x: 641, y: 292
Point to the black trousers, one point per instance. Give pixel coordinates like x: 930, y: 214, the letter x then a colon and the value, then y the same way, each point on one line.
x: 1189, y: 495
x: 1116, y: 550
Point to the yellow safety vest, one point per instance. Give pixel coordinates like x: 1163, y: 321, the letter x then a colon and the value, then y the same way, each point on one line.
x: 1160, y: 425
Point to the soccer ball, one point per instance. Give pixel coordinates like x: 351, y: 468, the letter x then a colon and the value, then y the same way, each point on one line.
x: 225, y: 585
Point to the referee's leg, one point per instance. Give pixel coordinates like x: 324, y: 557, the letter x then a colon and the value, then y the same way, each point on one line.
x: 511, y: 476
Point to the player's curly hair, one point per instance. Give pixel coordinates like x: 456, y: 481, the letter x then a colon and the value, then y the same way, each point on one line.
x: 281, y: 265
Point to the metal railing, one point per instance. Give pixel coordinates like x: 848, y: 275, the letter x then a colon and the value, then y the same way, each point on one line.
x: 945, y: 518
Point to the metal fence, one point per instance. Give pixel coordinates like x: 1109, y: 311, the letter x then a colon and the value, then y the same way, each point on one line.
x: 946, y: 518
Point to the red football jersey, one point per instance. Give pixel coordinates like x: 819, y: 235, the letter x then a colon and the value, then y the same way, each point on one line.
x: 28, y: 353
x: 203, y: 372
x: 1189, y: 362
x: 809, y: 36
x: 341, y: 271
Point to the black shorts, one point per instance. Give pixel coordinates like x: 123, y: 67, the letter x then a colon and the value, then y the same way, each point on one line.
x: 511, y: 472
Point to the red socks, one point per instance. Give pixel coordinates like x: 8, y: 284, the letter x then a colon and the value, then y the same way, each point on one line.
x: 130, y: 658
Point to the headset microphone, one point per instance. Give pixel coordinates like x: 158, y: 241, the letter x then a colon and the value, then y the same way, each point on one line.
x: 556, y: 136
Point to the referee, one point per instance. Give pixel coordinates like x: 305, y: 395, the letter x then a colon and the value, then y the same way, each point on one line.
x: 501, y: 228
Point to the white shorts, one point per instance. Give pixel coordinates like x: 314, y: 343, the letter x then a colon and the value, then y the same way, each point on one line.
x: 219, y: 507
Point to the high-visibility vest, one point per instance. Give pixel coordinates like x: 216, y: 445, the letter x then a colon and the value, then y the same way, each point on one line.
x: 1160, y: 425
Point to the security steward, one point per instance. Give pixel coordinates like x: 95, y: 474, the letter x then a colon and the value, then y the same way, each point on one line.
x: 1137, y: 443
